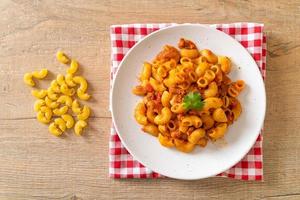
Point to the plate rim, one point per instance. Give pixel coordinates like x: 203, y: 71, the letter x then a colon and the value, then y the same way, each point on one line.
x: 157, y: 32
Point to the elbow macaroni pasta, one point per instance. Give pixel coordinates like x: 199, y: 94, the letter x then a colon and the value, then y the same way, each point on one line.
x: 28, y: 79
x: 60, y: 111
x: 76, y: 107
x: 140, y: 114
x: 64, y: 99
x: 40, y: 74
x: 82, y: 82
x: 79, y: 126
x: 62, y: 58
x: 50, y: 103
x: 85, y: 113
x: 73, y: 67
x: 69, y: 80
x: 54, y: 102
x: 82, y: 95
x: 69, y: 120
x: 40, y: 94
x: 166, y: 81
x: 38, y: 104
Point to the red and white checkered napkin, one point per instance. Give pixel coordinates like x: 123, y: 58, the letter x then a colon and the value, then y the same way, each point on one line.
x: 123, y: 37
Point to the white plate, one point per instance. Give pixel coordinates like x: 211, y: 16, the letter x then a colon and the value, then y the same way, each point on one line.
x: 202, y: 162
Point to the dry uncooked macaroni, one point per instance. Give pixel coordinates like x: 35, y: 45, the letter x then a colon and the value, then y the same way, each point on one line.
x: 56, y: 104
x: 169, y: 86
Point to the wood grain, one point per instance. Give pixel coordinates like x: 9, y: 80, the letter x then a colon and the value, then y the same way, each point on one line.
x: 35, y: 165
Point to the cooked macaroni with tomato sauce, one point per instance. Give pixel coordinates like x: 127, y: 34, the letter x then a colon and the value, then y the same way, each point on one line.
x: 188, y: 98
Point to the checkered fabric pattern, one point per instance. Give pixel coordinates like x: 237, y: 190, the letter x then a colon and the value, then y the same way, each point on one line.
x: 123, y: 37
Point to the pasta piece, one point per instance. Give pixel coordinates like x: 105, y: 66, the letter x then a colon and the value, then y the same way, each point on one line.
x: 50, y: 103
x: 156, y: 85
x: 162, y: 72
x: 54, y: 86
x: 151, y: 129
x: 64, y: 99
x: 139, y: 90
x: 177, y: 108
x: 38, y: 104
x: 150, y: 113
x: 76, y: 107
x: 218, y: 132
x: 219, y: 115
x: 192, y: 120
x: 60, y: 79
x: 165, y: 99
x: 212, y: 90
x: 82, y: 95
x: 171, y: 125
x: 212, y: 102
x: 68, y: 91
x: 200, y: 59
x: 139, y: 114
x: 60, y: 111
x: 163, y: 129
x: 40, y: 94
x: 196, y: 135
x: 216, y: 69
x: 208, y: 121
x: 171, y: 64
x: 51, y: 94
x: 61, y: 57
x: 85, y: 113
x: 54, y: 130
x: 183, y: 146
x: 28, y: 79
x: 146, y: 72
x: 44, y: 115
x: 40, y: 74
x: 82, y: 83
x: 73, y: 67
x: 69, y: 120
x: 61, y: 124
x: 239, y: 85
x: 225, y: 100
x: 187, y: 63
x: 225, y: 64
x: 237, y: 110
x: 155, y: 75
x: 164, y: 117
x: 165, y: 140
x: 192, y: 76
x: 209, y: 75
x: 190, y: 53
x: 202, y: 82
x: 79, y: 126
x: 229, y: 115
x: 209, y: 55
x: 201, y: 68
x: 232, y: 91
x: 69, y: 80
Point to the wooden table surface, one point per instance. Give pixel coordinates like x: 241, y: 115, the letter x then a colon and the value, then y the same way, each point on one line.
x: 36, y: 165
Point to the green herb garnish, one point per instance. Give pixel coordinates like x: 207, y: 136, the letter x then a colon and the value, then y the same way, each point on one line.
x: 193, y: 100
